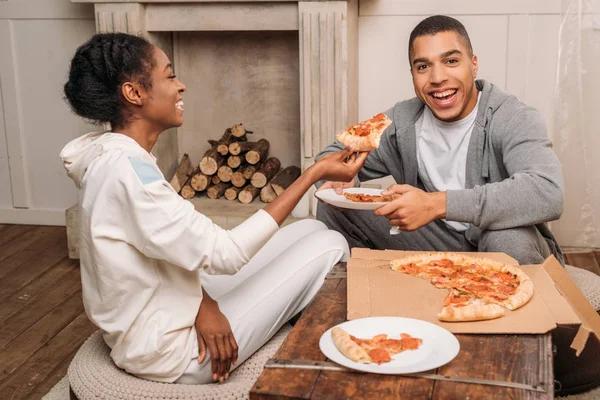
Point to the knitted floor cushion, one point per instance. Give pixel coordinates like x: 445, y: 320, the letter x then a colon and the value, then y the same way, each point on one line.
x: 93, y: 375
x: 588, y: 282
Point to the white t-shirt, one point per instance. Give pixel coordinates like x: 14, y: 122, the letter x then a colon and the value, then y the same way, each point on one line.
x: 442, y: 154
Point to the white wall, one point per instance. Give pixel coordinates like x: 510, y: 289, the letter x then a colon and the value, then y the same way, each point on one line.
x: 37, y: 40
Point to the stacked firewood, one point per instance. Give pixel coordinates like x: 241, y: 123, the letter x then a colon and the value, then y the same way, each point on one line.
x: 236, y: 168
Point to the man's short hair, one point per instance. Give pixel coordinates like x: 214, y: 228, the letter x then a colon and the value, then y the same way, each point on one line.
x: 436, y: 24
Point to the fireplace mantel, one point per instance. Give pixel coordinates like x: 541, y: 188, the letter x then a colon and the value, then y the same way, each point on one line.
x: 327, y: 37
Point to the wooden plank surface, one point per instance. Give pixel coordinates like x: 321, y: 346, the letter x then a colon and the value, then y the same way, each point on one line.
x: 42, y: 323
x: 45, y: 290
x: 10, y: 232
x: 56, y: 354
x: 27, y: 250
x: 55, y: 297
x: 525, y: 359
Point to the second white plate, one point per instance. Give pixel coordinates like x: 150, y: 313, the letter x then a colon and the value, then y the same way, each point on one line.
x: 438, y: 348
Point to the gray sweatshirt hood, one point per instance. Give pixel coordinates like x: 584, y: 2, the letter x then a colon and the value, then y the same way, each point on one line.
x: 79, y: 153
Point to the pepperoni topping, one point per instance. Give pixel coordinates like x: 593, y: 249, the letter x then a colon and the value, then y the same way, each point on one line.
x: 380, y: 356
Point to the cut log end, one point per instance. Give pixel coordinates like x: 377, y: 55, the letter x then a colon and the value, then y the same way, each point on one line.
x: 199, y: 181
x: 234, y: 161
x: 267, y: 194
x: 188, y: 192
x: 225, y: 173
x: 248, y: 194
x: 238, y: 130
x: 232, y: 193
x: 267, y: 171
x: 238, y: 180
x: 223, y: 149
x: 259, y: 152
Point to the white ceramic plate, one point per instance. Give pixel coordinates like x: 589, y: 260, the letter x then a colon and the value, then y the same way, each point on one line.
x: 438, y: 348
x: 338, y: 200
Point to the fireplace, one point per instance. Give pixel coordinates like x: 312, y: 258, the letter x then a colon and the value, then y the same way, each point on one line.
x: 286, y: 69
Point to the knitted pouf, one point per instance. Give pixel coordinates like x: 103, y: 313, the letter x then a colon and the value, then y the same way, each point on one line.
x: 588, y: 282
x: 93, y: 375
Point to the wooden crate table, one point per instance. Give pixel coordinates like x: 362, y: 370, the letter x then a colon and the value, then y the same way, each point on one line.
x: 525, y: 361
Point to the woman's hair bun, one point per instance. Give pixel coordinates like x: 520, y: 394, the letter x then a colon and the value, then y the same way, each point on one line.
x: 99, y: 68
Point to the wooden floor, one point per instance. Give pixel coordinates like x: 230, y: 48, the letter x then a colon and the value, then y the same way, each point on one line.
x: 42, y: 322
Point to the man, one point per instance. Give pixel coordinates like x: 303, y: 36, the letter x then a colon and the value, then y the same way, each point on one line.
x: 475, y: 167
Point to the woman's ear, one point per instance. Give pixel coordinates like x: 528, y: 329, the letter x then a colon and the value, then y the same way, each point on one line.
x: 131, y: 92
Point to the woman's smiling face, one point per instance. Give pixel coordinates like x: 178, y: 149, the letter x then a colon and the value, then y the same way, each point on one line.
x: 163, y: 105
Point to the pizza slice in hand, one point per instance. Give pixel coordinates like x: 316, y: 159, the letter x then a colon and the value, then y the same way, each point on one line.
x: 365, y: 135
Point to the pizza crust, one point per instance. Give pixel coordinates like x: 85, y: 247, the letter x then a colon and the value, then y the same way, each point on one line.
x: 524, y: 292
x: 475, y: 310
x: 367, y: 142
x: 348, y: 347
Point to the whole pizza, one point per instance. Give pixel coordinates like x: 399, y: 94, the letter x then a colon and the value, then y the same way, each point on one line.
x: 365, y: 135
x: 478, y: 288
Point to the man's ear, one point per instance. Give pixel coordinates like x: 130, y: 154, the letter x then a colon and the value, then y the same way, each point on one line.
x: 132, y: 93
x: 475, y: 63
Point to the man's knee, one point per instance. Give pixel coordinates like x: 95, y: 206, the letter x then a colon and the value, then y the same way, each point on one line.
x: 525, y: 244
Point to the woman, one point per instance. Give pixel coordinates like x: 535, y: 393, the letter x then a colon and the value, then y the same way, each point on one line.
x: 143, y: 247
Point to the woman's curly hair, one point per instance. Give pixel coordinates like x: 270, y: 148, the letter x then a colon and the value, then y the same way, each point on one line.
x: 99, y: 68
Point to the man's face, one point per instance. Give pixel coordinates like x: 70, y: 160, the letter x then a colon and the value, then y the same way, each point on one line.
x: 444, y: 74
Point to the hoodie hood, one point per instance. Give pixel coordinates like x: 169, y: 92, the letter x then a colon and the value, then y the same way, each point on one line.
x: 79, y: 153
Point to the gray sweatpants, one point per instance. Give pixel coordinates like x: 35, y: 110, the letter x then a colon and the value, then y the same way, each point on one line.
x: 365, y: 229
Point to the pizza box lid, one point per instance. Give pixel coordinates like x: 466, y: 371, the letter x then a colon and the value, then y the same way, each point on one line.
x: 374, y: 289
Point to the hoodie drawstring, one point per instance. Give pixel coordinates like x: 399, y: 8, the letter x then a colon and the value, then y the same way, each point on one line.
x: 487, y: 145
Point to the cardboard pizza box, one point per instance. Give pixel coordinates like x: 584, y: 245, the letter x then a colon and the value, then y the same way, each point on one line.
x: 374, y: 289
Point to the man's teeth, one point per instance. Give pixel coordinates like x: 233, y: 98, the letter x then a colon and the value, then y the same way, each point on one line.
x: 446, y: 93
x: 179, y: 105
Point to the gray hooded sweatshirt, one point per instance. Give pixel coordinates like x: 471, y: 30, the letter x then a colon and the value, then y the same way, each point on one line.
x: 513, y: 178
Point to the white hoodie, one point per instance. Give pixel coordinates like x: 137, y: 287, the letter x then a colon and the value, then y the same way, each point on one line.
x: 141, y: 246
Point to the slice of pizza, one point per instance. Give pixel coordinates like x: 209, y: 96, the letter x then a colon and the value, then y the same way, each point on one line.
x: 369, y: 198
x: 379, y: 349
x: 461, y: 306
x: 365, y: 135
x: 349, y: 347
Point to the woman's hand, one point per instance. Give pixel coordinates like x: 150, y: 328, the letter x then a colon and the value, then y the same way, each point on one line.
x: 341, y: 166
x: 214, y: 332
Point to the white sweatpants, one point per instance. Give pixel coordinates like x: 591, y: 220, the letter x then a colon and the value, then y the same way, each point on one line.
x: 277, y: 283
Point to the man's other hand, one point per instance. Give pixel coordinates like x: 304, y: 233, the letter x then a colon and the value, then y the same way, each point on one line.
x: 414, y: 208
